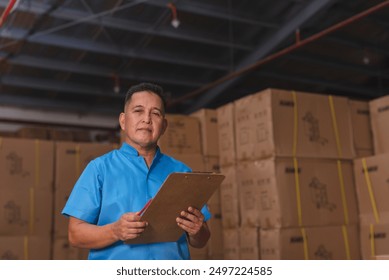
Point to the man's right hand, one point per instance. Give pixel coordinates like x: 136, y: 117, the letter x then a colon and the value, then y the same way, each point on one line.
x: 129, y: 226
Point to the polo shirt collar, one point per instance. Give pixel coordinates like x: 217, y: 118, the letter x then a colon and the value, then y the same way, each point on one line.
x: 129, y: 150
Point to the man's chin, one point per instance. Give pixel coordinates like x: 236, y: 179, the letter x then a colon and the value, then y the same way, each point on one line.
x: 148, y: 145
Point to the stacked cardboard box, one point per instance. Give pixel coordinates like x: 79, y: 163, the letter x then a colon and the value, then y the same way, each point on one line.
x: 379, y: 116
x: 361, y: 127
x: 312, y: 243
x: 372, y: 182
x: 191, y: 140
x: 229, y: 189
x: 55, y: 134
x: 182, y: 136
x: 210, y: 151
x: 26, y: 197
x: 70, y: 160
x: 287, y: 143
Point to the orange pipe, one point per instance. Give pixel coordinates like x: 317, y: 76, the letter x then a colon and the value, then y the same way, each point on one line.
x: 6, y: 12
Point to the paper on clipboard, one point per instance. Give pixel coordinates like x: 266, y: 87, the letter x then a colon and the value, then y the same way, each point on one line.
x: 177, y: 193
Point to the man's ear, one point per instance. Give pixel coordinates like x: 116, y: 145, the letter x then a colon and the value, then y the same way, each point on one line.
x: 164, y: 126
x: 122, y: 121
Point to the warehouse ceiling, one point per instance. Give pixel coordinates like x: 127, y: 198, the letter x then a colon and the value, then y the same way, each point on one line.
x: 82, y: 55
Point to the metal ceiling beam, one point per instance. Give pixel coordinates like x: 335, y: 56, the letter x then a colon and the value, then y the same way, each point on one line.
x: 212, y: 11
x: 93, y: 70
x: 79, y: 17
x: 59, y: 87
x: 55, y: 104
x: 264, y: 49
x: 17, y: 34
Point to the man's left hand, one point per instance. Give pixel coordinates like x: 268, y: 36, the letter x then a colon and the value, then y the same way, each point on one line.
x: 191, y: 221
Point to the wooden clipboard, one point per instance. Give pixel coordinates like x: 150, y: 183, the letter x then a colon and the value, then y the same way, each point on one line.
x: 177, y: 193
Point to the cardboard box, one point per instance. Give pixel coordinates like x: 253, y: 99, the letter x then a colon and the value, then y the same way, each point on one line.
x: 8, y: 134
x: 25, y: 248
x: 321, y: 243
x: 379, y: 117
x: 215, y: 243
x: 182, y: 135
x: 212, y: 164
x: 194, y: 161
x: 382, y: 257
x: 214, y: 203
x: 26, y: 163
x: 362, y: 134
x: 271, y: 198
x: 225, y: 117
x: 249, y: 243
x: 26, y: 212
x: 60, y: 135
x: 278, y: 123
x: 231, y: 244
x: 41, y: 133
x: 26, y: 192
x: 81, y: 135
x: 209, y: 131
x: 360, y: 153
x: 71, y: 159
x: 229, y: 198
x: 62, y: 250
x: 198, y: 253
x: 372, y: 186
x: 214, y: 248
x: 374, y: 240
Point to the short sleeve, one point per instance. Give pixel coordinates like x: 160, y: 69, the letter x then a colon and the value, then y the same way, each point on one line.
x: 84, y: 202
x: 206, y: 213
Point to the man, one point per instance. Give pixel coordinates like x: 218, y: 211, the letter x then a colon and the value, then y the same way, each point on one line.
x: 104, y: 205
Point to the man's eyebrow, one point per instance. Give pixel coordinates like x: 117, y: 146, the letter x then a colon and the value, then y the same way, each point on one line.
x: 137, y: 106
x: 156, y: 108
x: 141, y: 106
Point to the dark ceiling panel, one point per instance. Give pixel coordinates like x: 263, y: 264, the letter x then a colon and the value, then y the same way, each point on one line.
x: 57, y: 53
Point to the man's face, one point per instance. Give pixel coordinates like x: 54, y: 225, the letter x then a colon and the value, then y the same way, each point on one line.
x: 143, y: 120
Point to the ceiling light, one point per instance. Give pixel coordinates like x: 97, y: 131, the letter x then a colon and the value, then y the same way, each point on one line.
x: 175, y: 21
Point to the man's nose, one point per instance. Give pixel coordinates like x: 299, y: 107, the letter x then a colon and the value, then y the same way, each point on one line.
x: 147, y: 118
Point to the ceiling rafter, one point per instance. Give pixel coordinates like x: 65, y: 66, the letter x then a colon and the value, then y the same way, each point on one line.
x: 103, y: 48
x: 264, y: 49
x: 77, y: 16
x: 99, y: 71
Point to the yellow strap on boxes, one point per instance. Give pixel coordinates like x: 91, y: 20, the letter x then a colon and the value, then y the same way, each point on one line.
x: 295, y: 124
x: 370, y: 189
x: 346, y: 242
x: 305, y: 243
x: 298, y: 194
x: 25, y: 247
x: 372, y: 240
x: 295, y: 163
x: 343, y: 193
x: 335, y: 125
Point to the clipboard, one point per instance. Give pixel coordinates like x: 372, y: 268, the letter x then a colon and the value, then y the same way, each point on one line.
x: 179, y: 191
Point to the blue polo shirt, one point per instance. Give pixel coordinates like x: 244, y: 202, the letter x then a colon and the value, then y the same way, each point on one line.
x: 119, y: 182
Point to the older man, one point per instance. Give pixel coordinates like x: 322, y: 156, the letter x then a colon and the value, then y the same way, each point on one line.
x: 104, y: 205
